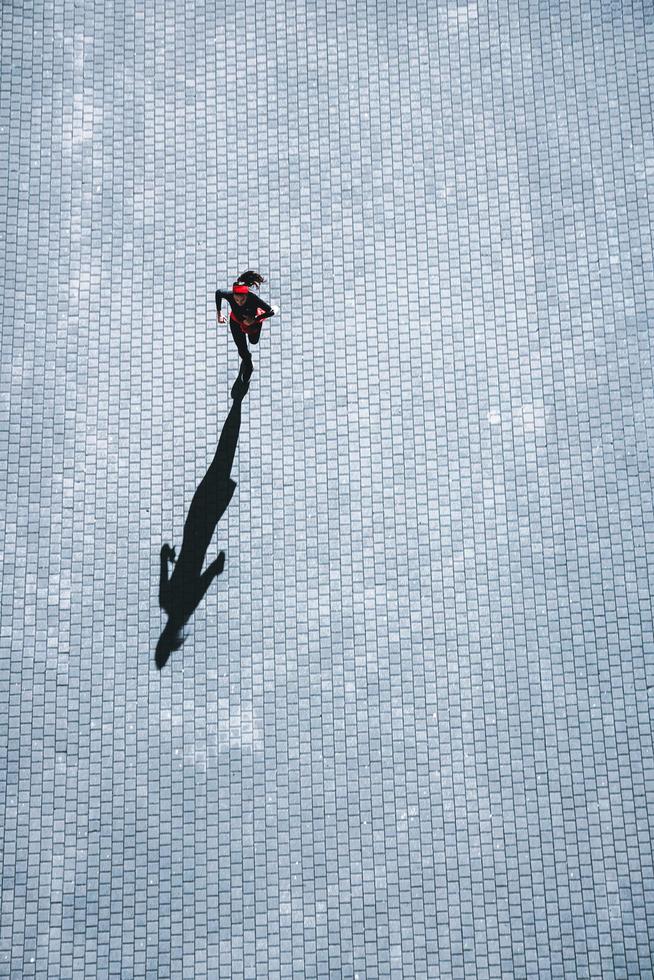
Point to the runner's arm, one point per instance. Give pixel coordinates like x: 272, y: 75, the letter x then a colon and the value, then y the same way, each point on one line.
x: 267, y: 310
x: 220, y: 296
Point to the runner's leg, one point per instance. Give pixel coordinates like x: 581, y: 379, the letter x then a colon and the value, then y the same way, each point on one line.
x: 240, y: 340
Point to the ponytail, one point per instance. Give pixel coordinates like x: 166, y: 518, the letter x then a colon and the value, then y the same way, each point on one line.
x: 250, y: 278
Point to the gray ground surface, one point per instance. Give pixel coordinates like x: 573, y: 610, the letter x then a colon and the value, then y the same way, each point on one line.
x: 409, y: 733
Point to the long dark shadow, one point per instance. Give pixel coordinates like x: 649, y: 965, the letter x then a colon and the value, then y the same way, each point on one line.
x: 181, y: 592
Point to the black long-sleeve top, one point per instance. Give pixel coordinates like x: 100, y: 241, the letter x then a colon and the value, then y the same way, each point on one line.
x: 254, y: 307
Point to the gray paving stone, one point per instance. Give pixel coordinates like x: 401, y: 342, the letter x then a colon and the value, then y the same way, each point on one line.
x: 409, y: 731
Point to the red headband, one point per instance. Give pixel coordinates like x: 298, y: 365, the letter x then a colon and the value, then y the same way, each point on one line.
x: 239, y: 288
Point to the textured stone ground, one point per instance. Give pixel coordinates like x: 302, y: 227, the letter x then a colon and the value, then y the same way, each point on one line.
x: 409, y: 733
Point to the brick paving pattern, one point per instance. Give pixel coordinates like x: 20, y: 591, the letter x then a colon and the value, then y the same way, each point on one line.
x: 409, y: 732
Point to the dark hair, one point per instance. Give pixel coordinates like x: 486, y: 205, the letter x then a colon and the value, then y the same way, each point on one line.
x: 249, y: 279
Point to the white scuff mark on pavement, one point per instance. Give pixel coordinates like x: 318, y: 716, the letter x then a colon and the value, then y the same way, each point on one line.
x: 195, y: 755
x: 232, y: 727
x: 80, y: 42
x: 86, y: 116
x: 82, y: 45
x: 609, y: 905
x: 463, y: 14
x: 531, y: 418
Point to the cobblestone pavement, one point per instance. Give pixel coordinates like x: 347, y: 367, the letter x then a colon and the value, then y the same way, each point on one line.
x: 409, y: 732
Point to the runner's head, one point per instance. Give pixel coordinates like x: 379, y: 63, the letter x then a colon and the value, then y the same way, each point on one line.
x: 242, y: 285
x: 240, y: 292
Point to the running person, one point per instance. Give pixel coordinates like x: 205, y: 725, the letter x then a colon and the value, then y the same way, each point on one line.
x: 247, y: 312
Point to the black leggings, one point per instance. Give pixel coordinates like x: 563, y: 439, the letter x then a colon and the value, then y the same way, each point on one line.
x: 241, y: 339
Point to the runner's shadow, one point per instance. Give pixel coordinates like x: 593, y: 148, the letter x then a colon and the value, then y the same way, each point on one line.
x: 181, y: 593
